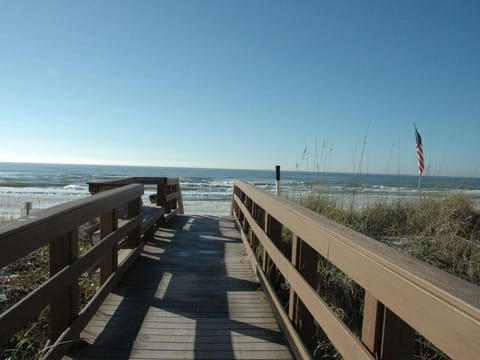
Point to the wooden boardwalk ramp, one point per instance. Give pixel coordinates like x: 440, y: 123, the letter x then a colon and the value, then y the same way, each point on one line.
x: 191, y: 295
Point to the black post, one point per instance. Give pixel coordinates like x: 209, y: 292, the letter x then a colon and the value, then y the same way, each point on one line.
x: 277, y: 180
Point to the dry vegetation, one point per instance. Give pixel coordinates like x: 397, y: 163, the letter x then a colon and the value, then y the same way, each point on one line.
x: 22, y: 277
x: 442, y: 232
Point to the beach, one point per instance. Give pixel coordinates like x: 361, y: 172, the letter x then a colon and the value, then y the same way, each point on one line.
x: 209, y: 191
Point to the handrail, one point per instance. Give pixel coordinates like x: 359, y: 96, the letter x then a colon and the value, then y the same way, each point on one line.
x: 401, y: 293
x: 168, y: 195
x: 57, y: 227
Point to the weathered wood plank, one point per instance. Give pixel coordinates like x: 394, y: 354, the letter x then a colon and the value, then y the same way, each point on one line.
x: 120, y: 336
x: 46, y: 225
x: 338, y: 333
x: 96, y: 331
x: 28, y: 308
x: 197, y: 298
x: 109, y: 261
x: 106, y: 353
x: 71, y: 334
x: 64, y: 308
x: 446, y: 309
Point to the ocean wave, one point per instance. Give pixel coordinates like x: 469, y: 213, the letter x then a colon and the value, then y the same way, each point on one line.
x: 207, y: 189
x: 50, y: 191
x: 75, y: 187
x: 207, y: 184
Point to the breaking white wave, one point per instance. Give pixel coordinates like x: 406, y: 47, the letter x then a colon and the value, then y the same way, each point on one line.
x: 209, y: 191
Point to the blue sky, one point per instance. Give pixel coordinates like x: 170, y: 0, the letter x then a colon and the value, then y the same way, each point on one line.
x: 242, y: 84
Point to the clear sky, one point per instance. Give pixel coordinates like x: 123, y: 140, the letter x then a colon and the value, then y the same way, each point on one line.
x: 242, y: 84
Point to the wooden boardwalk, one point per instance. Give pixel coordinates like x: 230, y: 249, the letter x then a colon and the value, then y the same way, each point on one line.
x: 191, y: 295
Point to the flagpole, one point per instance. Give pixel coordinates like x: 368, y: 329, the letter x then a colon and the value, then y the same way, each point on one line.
x: 419, y: 185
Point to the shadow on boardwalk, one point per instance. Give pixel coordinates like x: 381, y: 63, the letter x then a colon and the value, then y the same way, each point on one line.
x: 192, y: 295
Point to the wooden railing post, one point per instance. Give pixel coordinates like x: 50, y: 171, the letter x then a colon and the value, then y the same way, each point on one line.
x: 173, y: 205
x: 241, y: 215
x: 168, y: 204
x: 162, y: 192
x: 273, y: 229
x: 293, y: 301
x: 265, y: 255
x: 232, y: 206
x: 133, y: 211
x: 180, y: 199
x: 386, y: 335
x: 306, y: 263
x: 109, y: 261
x: 64, y: 309
x: 397, y: 339
x: 372, y: 323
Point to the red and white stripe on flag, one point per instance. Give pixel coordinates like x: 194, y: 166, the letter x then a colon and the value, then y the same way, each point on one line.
x: 418, y: 139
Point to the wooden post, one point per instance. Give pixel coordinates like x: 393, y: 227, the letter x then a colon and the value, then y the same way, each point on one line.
x: 292, y: 303
x: 386, y: 335
x: 180, y: 200
x: 109, y: 261
x: 397, y: 338
x: 253, y: 241
x: 64, y: 309
x: 168, y: 203
x: 149, y: 234
x: 161, y: 192
x: 174, y: 201
x: 273, y: 229
x: 265, y: 259
x: 307, y: 261
x: 241, y: 216
x: 254, y: 212
x: 372, y: 323
x: 134, y: 210
x: 232, y: 206
x: 248, y: 204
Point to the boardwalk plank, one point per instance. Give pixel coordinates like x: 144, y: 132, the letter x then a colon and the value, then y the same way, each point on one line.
x: 191, y: 295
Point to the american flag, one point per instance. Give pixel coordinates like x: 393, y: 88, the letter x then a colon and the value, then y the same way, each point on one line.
x: 418, y: 139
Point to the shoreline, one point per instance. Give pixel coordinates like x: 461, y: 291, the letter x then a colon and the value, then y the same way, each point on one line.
x: 13, y: 204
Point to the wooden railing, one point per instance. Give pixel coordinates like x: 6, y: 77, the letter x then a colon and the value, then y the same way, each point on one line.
x: 58, y: 228
x: 402, y: 295
x: 168, y: 194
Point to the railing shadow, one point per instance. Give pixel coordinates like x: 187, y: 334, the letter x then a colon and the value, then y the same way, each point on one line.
x: 181, y: 292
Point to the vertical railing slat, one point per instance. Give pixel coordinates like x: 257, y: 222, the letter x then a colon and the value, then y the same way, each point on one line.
x: 109, y: 261
x: 372, y: 323
x: 307, y: 261
x: 133, y: 211
x: 386, y: 335
x: 292, y: 303
x: 64, y: 308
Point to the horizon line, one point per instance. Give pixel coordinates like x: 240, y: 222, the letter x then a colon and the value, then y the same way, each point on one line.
x: 223, y: 168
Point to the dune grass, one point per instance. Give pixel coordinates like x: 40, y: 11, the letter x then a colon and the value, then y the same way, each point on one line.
x: 443, y: 232
x: 22, y: 277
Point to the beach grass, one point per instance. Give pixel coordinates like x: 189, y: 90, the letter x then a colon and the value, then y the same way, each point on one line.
x: 22, y: 277
x: 443, y: 232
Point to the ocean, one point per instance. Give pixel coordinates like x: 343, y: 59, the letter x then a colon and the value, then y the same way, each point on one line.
x: 209, y: 191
